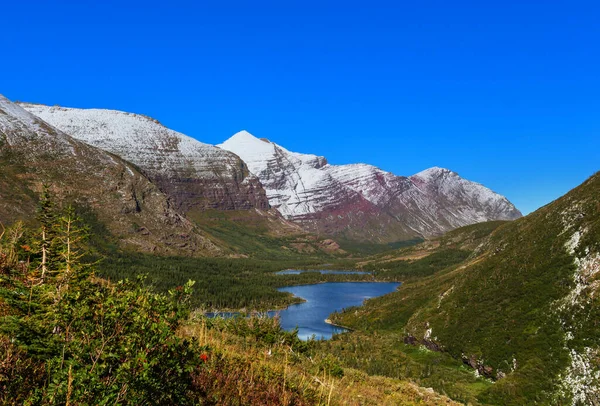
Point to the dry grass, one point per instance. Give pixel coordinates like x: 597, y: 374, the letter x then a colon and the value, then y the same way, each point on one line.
x: 242, y: 371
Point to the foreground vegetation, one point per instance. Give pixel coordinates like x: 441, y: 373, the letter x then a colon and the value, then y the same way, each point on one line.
x: 70, y: 337
x: 494, y: 313
x: 252, y: 361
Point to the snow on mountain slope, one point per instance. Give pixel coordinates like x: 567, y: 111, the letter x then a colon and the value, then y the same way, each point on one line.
x: 472, y: 201
x: 288, y: 177
x: 33, y: 153
x: 361, y: 201
x: 193, y: 173
x: 17, y: 126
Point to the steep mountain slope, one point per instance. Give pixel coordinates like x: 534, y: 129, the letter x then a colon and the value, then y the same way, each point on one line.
x: 210, y: 186
x: 523, y: 309
x: 193, y: 174
x: 362, y: 202
x: 32, y: 152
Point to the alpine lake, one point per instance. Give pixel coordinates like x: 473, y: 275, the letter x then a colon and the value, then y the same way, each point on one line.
x: 320, y: 301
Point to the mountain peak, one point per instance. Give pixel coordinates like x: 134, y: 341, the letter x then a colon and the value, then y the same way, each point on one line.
x: 252, y: 147
x: 433, y: 171
x: 245, y: 138
x: 243, y: 135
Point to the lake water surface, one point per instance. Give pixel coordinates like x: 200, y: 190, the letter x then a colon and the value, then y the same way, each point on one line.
x: 322, y: 299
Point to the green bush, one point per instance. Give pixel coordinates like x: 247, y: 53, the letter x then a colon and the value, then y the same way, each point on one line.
x: 68, y: 337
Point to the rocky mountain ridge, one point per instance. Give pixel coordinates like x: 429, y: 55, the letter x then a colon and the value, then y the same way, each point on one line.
x: 360, y: 201
x: 195, y: 175
x: 352, y: 202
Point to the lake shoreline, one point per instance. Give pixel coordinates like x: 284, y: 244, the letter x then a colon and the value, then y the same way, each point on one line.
x: 324, y: 302
x: 331, y: 323
x: 314, y: 320
x: 297, y: 302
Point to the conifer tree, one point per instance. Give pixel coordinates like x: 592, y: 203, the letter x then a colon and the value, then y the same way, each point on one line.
x: 69, y: 239
x: 46, y: 216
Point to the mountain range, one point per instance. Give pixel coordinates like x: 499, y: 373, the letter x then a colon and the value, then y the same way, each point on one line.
x: 357, y: 202
x: 362, y: 202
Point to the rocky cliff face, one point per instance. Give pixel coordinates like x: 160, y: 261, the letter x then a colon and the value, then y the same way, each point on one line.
x: 195, y: 175
x: 33, y: 152
x: 363, y: 202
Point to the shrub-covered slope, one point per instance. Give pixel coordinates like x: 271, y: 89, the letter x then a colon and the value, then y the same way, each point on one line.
x: 522, y: 309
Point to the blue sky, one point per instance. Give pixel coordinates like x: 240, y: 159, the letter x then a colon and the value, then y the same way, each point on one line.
x: 504, y: 93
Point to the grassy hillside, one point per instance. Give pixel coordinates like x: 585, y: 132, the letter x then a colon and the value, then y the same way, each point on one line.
x: 379, y: 327
x: 522, y: 309
x: 262, y: 234
x: 251, y: 361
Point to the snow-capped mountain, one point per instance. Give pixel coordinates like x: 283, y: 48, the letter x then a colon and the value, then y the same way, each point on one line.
x: 364, y: 202
x: 355, y: 201
x: 33, y: 153
x: 192, y: 173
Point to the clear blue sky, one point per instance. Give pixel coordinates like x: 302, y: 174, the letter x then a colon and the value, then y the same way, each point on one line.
x: 506, y: 93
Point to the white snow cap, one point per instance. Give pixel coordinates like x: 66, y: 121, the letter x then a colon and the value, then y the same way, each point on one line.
x: 246, y: 144
x: 434, y: 171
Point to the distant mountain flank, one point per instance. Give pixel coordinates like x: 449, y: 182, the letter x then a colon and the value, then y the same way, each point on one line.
x: 363, y: 202
x: 195, y: 175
